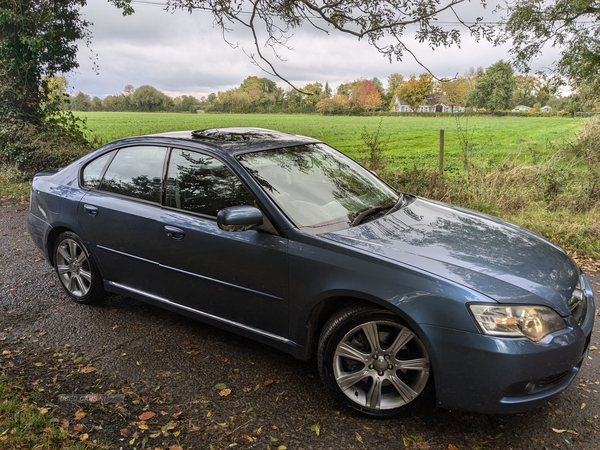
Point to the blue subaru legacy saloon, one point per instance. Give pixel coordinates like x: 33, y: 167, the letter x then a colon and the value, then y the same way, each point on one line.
x: 283, y: 239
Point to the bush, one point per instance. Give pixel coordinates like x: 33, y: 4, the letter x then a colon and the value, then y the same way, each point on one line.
x: 29, y: 148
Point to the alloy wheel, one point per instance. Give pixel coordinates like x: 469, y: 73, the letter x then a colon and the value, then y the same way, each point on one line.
x: 381, y: 365
x: 73, y: 268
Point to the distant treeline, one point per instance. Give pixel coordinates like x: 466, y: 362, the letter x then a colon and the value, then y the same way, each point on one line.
x: 143, y: 99
x: 493, y: 90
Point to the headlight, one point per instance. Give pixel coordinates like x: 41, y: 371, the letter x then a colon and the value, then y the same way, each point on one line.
x: 532, y: 322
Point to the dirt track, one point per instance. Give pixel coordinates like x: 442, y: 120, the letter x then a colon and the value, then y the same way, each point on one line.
x: 181, y: 370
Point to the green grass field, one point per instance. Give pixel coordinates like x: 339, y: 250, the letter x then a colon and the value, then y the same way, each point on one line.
x: 411, y: 140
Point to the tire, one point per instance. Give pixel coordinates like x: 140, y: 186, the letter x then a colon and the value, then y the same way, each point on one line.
x: 373, y: 363
x: 77, y: 270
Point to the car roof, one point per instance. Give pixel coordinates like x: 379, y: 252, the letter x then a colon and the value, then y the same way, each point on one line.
x: 235, y: 140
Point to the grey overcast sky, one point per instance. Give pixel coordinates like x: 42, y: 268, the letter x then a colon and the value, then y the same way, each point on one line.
x: 180, y: 53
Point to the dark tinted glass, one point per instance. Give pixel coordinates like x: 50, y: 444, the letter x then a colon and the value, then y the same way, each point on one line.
x: 202, y: 184
x: 136, y: 172
x: 92, y: 172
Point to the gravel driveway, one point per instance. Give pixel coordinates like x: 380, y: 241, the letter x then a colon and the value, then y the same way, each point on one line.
x: 202, y: 387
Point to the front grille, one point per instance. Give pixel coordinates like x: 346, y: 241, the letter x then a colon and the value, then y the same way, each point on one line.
x: 578, y: 303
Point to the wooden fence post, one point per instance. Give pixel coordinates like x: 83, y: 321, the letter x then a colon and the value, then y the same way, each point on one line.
x: 441, y: 151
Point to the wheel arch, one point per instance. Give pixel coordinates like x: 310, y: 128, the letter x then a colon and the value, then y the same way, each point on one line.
x: 330, y: 306
x: 51, y: 240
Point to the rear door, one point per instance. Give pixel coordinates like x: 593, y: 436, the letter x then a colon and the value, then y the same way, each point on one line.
x: 120, y: 216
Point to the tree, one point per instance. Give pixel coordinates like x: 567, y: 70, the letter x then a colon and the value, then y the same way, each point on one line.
x: 81, y: 102
x: 528, y: 91
x: 349, y: 88
x: 494, y: 87
x: 415, y: 91
x: 314, y: 94
x: 37, y: 39
x: 368, y: 97
x: 337, y: 103
x: 571, y: 25
x: 394, y: 81
x: 455, y: 92
x: 147, y: 99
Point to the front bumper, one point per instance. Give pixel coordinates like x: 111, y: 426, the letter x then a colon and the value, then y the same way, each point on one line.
x: 487, y: 374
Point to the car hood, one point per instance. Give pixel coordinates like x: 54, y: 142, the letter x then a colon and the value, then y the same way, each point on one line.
x: 497, y: 259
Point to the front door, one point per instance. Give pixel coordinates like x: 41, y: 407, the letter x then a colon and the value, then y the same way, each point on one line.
x: 237, y: 276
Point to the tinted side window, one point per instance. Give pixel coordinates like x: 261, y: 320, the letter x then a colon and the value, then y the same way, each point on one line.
x: 136, y: 172
x: 202, y: 184
x: 93, y: 171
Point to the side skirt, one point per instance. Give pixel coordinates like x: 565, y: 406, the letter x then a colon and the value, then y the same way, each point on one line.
x: 259, y: 335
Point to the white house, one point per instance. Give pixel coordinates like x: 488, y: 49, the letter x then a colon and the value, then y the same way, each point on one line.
x: 546, y: 108
x: 402, y: 107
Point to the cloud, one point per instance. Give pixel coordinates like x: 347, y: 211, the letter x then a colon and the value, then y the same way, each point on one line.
x: 185, y: 54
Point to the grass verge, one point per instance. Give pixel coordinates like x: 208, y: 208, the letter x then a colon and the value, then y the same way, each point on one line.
x: 24, y: 424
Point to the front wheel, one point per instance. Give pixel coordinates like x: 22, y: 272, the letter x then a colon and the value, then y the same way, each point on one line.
x: 372, y: 362
x: 76, y: 270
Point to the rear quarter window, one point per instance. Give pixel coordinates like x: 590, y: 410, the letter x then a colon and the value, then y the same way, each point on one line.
x: 92, y: 173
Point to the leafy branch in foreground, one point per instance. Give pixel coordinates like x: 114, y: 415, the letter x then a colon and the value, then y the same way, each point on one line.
x: 571, y: 26
x: 382, y: 23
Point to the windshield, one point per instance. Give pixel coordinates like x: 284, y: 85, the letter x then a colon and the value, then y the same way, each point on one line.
x: 319, y: 188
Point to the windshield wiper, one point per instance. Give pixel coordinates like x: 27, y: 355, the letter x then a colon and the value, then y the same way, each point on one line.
x: 374, y: 210
x: 369, y: 212
x: 399, y: 203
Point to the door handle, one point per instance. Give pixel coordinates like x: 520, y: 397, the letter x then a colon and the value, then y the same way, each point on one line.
x: 90, y: 210
x: 174, y: 232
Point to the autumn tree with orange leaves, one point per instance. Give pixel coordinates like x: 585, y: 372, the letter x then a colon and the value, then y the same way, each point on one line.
x: 415, y: 91
x: 367, y: 96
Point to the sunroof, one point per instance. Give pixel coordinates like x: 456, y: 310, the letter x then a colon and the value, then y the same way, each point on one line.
x: 238, y: 134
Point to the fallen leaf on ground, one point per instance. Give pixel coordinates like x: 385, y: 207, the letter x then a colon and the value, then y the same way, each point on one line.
x: 64, y: 423
x: 358, y: 437
x: 225, y: 392
x: 84, y: 437
x: 79, y: 415
x: 268, y: 382
x: 147, y: 415
x: 452, y: 447
x: 88, y: 369
x: 186, y: 342
x: 247, y: 389
x: 564, y: 431
x: 78, y: 427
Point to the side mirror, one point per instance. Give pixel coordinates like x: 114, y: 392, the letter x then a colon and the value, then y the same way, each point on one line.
x: 239, y: 218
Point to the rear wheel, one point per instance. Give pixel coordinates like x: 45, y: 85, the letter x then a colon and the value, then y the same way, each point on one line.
x: 372, y: 362
x: 76, y: 269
